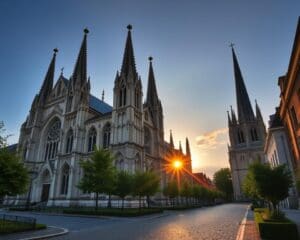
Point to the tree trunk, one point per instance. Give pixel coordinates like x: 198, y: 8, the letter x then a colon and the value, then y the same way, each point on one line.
x: 140, y: 203
x: 122, y: 203
x: 109, y: 201
x: 148, y: 201
x: 97, y: 197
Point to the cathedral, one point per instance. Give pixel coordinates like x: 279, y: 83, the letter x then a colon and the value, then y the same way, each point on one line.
x: 66, y: 123
x: 247, y: 133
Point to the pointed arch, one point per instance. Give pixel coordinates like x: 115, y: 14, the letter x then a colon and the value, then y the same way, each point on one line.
x: 106, y: 135
x: 65, y: 171
x: 46, y: 176
x: 92, y: 139
x: 52, y: 139
x: 69, y: 141
x: 138, y: 162
x: 147, y: 140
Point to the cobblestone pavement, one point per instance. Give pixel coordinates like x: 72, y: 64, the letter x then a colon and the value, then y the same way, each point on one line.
x: 209, y: 223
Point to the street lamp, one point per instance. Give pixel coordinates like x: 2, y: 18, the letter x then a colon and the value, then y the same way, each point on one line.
x: 32, y: 175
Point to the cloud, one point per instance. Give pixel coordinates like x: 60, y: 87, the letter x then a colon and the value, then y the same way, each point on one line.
x: 212, y: 139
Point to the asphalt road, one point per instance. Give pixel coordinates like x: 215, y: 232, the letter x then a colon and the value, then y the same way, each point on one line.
x: 209, y: 223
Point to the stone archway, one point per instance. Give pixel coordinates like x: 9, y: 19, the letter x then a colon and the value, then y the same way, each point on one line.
x: 46, y: 182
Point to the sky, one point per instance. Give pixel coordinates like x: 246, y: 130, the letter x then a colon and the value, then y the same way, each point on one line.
x: 189, y: 41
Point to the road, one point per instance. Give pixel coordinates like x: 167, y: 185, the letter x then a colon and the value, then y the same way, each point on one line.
x: 209, y: 223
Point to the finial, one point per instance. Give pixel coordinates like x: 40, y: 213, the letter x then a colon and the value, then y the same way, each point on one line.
x: 55, y: 50
x: 62, y: 71
x: 150, y: 58
x: 129, y: 27
x: 102, y: 95
x: 86, y: 31
x: 231, y: 107
x: 231, y: 45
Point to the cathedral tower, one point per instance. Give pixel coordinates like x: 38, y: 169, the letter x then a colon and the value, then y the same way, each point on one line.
x: 246, y: 133
x: 127, y: 117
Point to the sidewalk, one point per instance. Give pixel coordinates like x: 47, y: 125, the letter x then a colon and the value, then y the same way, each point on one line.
x: 38, y: 234
x: 248, y: 229
x: 294, y: 215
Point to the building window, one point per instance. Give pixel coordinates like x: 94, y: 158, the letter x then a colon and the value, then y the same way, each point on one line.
x: 52, y: 140
x: 241, y: 138
x: 106, y: 136
x: 65, y: 180
x: 147, y: 140
x: 92, y: 140
x: 294, y: 118
x: 137, y: 98
x: 69, y: 103
x: 254, y: 136
x: 69, y: 146
x: 122, y: 96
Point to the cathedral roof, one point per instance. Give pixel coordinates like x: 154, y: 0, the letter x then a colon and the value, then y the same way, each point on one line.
x: 99, y: 105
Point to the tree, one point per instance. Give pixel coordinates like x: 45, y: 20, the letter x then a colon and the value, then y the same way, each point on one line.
x: 123, y: 185
x: 186, y: 191
x: 271, y: 184
x: 99, y: 174
x: 223, y: 181
x: 171, y: 190
x: 145, y: 184
x: 13, y: 174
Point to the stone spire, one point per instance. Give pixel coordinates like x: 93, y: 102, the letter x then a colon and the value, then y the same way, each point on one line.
x: 187, y: 147
x: 79, y: 76
x: 180, y: 147
x: 128, y: 65
x: 233, y: 116
x: 152, y: 96
x: 171, y: 140
x: 244, y: 108
x: 48, y: 81
x: 258, y: 112
x: 229, y: 118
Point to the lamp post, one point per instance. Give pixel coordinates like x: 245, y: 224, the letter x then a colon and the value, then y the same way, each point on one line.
x: 32, y: 175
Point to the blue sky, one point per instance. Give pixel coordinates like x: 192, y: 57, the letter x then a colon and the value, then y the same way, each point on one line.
x: 188, y: 40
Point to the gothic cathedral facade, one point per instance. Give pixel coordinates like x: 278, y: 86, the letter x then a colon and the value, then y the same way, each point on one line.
x: 247, y: 134
x: 66, y: 122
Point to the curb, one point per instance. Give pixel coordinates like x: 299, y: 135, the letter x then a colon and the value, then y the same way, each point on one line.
x: 241, y: 231
x: 64, y: 231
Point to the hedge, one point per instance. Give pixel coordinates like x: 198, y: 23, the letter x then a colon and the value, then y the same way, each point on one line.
x: 117, y: 212
x: 12, y: 227
x: 275, y: 230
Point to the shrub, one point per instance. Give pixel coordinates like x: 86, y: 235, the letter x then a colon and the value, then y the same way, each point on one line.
x: 274, y: 230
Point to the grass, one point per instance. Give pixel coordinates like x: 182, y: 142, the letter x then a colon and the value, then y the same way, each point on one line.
x: 12, y: 226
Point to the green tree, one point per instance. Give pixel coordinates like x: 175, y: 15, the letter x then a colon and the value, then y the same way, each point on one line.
x: 123, y: 185
x: 223, y: 181
x: 99, y: 174
x: 186, y: 191
x: 171, y: 190
x: 13, y: 174
x: 152, y: 184
x: 271, y: 184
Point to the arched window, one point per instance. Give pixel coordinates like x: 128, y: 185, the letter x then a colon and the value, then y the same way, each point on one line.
x: 122, y: 96
x: 137, y: 98
x: 64, y: 179
x: 52, y: 140
x: 106, y: 136
x: 138, y: 163
x: 69, y: 146
x: 254, y: 136
x: 147, y: 140
x: 241, y: 138
x: 92, y: 139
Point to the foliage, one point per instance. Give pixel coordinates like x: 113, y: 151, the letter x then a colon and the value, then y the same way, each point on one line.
x: 271, y: 184
x: 275, y: 230
x: 13, y: 175
x: 123, y: 185
x: 223, y: 181
x: 145, y: 184
x: 171, y: 190
x: 99, y: 174
x: 11, y: 226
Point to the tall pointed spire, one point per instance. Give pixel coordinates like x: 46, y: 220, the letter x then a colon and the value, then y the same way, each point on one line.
x: 152, y: 96
x: 258, y: 112
x: 48, y: 81
x: 233, y: 117
x: 229, y: 118
x: 80, y: 71
x: 171, y: 139
x: 245, y: 111
x: 180, y: 147
x: 128, y: 65
x: 187, y: 147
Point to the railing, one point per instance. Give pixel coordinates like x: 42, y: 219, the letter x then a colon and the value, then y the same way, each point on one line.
x: 4, y: 218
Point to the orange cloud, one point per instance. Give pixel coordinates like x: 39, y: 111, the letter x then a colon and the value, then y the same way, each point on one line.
x: 212, y: 139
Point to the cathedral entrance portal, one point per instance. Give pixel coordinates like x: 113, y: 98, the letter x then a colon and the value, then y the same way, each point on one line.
x: 45, y: 186
x: 45, y: 192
